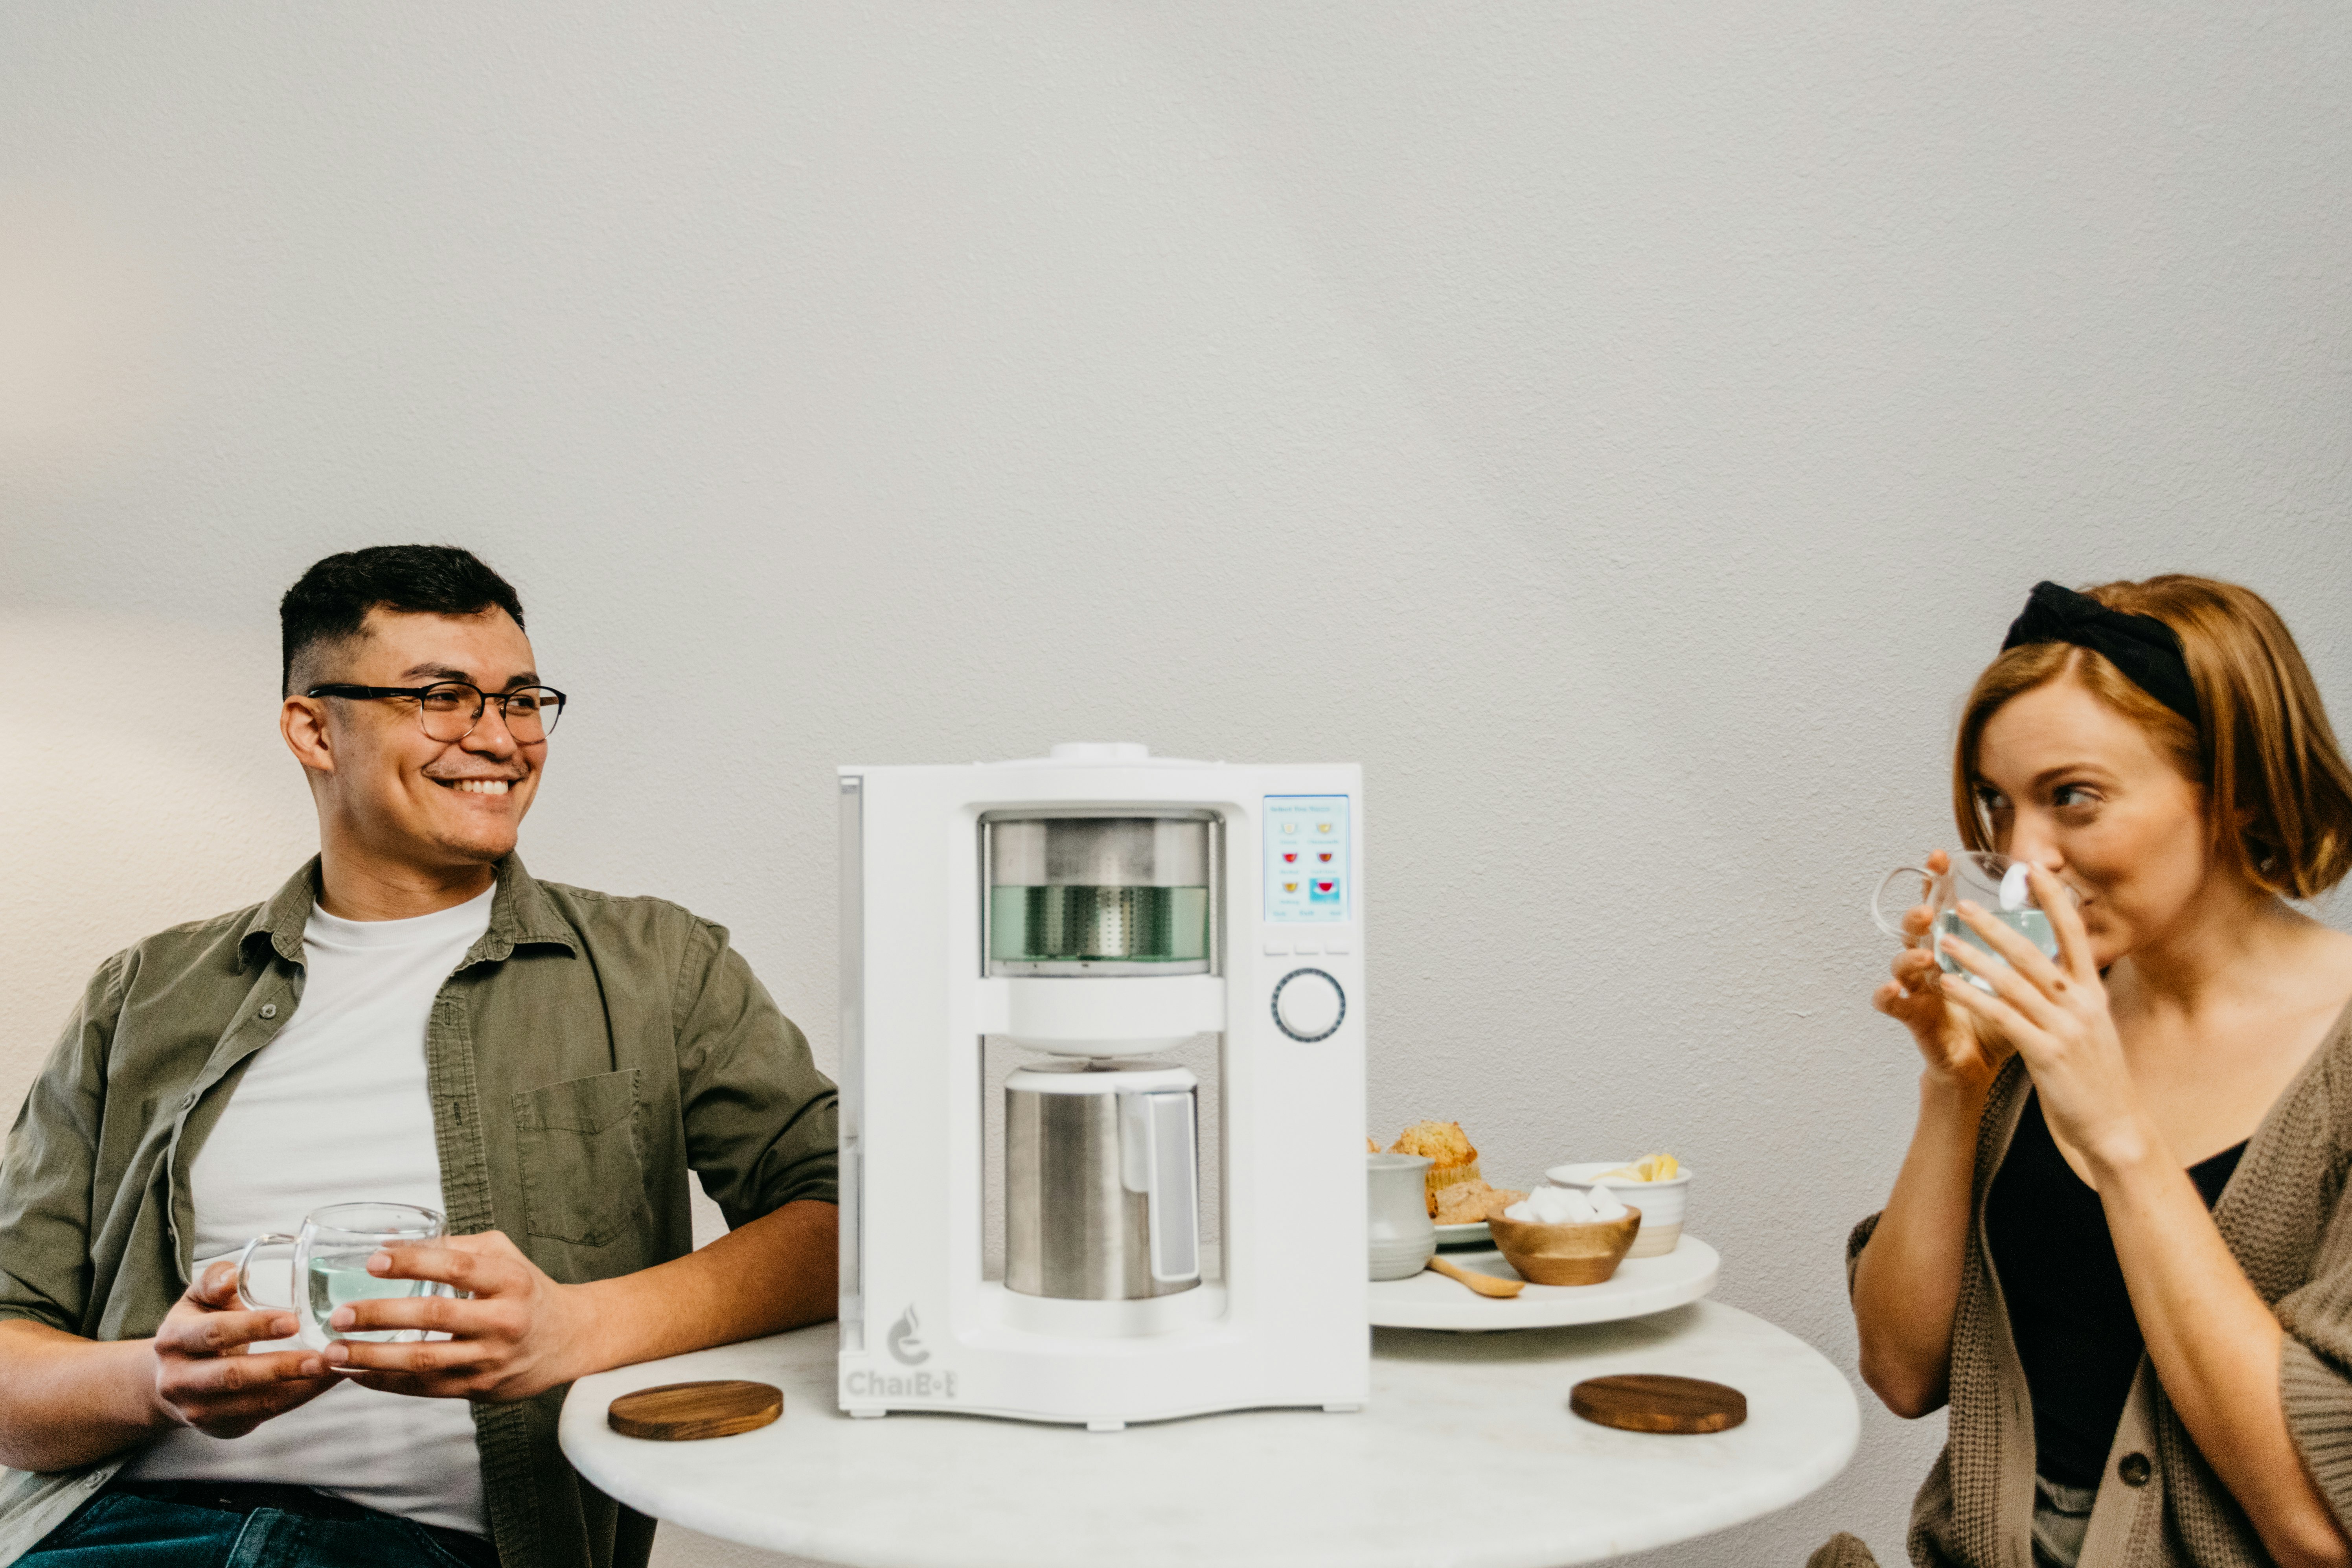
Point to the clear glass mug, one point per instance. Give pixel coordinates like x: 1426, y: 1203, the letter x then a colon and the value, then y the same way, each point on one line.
x: 1995, y: 883
x: 331, y: 1253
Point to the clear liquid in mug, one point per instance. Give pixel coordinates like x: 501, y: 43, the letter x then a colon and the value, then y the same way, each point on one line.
x: 339, y: 1281
x: 2033, y: 925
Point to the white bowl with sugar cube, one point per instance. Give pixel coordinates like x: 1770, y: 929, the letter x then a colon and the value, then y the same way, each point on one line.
x: 1661, y: 1203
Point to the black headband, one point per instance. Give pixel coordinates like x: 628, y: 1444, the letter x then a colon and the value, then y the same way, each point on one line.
x: 2145, y: 649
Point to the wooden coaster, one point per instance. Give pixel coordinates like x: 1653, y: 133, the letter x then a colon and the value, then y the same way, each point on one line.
x: 681, y: 1412
x: 1641, y: 1402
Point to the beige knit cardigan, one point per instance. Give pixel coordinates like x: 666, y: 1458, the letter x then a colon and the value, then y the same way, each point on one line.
x: 2286, y: 1220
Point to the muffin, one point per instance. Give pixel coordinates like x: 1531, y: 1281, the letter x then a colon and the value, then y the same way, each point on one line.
x: 1452, y: 1159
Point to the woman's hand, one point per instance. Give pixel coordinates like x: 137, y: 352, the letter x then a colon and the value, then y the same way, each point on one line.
x: 1958, y: 1052
x: 2056, y: 1015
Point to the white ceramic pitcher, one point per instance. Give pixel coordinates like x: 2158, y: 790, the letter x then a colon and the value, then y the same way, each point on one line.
x: 1402, y: 1238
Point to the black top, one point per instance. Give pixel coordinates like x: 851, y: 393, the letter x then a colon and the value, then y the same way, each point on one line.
x: 2068, y: 1310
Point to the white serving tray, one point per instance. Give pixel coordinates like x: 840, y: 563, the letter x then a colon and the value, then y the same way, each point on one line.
x: 1640, y: 1285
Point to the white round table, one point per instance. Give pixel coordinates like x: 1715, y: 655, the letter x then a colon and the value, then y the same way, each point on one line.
x: 1467, y: 1457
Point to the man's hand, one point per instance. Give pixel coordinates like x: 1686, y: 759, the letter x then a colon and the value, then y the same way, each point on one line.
x: 206, y: 1375
x: 521, y: 1334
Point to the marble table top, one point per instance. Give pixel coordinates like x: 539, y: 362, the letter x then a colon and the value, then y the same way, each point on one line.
x: 1467, y: 1458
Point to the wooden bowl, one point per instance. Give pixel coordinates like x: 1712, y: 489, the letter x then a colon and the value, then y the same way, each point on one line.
x: 1566, y: 1254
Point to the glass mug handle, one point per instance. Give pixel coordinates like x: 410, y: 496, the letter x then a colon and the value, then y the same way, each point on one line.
x: 246, y: 1297
x: 1930, y: 888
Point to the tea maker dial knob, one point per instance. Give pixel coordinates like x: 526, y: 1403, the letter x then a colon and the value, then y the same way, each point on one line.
x: 1309, y: 1004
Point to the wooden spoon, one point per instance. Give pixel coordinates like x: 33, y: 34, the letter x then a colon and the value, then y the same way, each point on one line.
x: 1484, y: 1284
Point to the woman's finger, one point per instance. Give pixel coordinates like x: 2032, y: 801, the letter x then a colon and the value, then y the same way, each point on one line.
x: 2058, y: 902
x: 2010, y: 943
x: 2020, y: 972
x: 1913, y: 966
x: 1899, y: 1003
x: 2022, y: 998
x: 2025, y: 1038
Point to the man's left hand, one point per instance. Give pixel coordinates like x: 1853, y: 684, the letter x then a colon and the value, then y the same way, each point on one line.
x: 520, y: 1335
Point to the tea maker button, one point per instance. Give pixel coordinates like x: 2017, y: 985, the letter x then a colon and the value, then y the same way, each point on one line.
x: 1307, y: 941
x: 1277, y: 944
x: 1337, y: 942
x: 1309, y: 1004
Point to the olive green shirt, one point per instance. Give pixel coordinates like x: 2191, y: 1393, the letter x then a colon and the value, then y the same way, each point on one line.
x: 587, y: 1052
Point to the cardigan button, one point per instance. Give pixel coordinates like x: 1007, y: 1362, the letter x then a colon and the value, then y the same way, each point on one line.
x: 269, y: 1009
x: 2134, y: 1469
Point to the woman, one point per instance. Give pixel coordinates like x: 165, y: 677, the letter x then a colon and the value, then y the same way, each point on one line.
x: 2117, y: 1246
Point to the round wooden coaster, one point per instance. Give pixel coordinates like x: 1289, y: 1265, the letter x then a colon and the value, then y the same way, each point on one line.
x: 1644, y: 1402
x: 681, y: 1412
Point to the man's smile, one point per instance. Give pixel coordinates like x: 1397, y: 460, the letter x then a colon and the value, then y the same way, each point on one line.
x: 475, y: 785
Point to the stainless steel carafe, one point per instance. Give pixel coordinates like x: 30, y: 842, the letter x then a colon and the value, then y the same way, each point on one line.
x: 1102, y: 1190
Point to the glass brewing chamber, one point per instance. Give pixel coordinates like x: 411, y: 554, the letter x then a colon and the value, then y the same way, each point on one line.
x: 1100, y: 894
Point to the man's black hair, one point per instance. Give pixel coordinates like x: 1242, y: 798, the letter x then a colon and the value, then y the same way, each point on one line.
x: 332, y: 600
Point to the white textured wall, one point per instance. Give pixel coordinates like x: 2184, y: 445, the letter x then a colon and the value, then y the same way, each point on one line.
x: 1625, y: 429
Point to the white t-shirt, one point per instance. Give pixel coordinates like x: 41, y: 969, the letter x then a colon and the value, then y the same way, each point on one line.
x: 335, y: 1111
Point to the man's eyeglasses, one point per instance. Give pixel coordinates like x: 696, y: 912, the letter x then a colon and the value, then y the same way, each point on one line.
x: 450, y: 709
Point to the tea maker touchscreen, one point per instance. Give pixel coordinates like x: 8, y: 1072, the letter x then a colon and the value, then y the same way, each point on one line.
x: 1307, y: 877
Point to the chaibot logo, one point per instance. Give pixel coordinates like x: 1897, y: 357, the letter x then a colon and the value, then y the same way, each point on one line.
x: 907, y: 1340
x: 907, y: 1347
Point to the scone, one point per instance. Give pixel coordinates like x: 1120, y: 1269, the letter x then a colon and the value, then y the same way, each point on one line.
x: 1447, y: 1148
x: 1468, y: 1203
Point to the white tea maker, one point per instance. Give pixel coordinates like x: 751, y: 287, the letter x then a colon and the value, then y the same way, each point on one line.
x: 1084, y: 917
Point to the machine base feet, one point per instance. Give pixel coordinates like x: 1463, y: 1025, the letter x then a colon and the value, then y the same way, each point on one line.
x: 1106, y: 1425
x: 1343, y: 1409
x: 866, y: 1415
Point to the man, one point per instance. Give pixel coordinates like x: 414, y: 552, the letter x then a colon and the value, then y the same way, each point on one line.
x: 412, y: 1019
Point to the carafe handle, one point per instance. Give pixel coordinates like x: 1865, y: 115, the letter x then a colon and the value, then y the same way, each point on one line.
x: 1156, y: 1150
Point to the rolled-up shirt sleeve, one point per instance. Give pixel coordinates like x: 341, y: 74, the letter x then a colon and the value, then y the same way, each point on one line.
x: 47, y: 1170
x: 762, y: 1122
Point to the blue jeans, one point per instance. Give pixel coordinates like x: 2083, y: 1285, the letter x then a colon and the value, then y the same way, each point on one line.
x: 122, y: 1529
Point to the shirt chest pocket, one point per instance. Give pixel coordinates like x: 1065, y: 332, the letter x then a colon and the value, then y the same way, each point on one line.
x: 583, y: 1179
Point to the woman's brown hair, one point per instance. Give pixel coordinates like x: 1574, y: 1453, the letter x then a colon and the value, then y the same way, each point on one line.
x: 2262, y: 747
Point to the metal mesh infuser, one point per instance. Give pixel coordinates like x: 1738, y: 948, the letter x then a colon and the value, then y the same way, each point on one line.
x: 1098, y: 894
